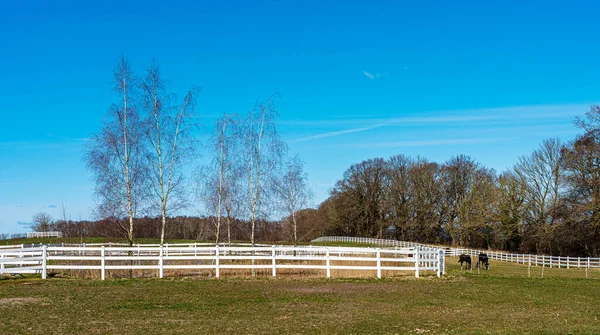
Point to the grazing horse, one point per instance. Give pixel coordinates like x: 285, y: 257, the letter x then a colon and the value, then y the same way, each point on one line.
x: 466, y: 259
x: 483, y: 261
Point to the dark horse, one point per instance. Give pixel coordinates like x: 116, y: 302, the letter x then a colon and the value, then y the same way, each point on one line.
x: 466, y: 259
x: 483, y: 261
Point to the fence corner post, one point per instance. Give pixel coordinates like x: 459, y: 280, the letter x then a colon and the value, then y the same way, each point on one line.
x: 44, y: 260
x: 103, y: 263
x: 217, y: 262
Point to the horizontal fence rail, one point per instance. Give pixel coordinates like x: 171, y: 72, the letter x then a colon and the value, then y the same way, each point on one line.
x: 49, y: 258
x: 535, y: 260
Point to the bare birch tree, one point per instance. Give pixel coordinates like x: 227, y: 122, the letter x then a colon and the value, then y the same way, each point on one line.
x: 293, y: 193
x: 115, y: 156
x: 218, y: 179
x: 168, y: 131
x: 262, y: 150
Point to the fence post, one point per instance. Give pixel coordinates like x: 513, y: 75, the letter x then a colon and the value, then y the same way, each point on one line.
x: 1, y: 264
x: 443, y: 263
x: 167, y: 249
x: 578, y: 262
x: 274, y: 266
x: 378, y: 263
x: 588, y: 263
x: 587, y: 268
x: 416, y: 262
x: 327, y: 263
x: 217, y: 261
x: 103, y: 263
x: 44, y: 261
x: 160, y: 262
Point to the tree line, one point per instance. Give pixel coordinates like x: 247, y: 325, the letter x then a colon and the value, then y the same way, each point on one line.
x: 180, y: 227
x: 548, y: 202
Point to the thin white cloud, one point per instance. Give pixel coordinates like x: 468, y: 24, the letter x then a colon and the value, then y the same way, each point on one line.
x: 511, y: 114
x: 335, y: 133
x: 375, y: 75
x: 488, y: 118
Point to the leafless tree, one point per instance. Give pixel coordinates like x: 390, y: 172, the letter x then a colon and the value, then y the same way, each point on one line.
x: 398, y: 193
x: 293, y: 193
x: 63, y: 224
x: 541, y: 176
x: 510, y: 211
x: 261, y: 150
x: 232, y: 200
x: 41, y: 222
x: 168, y: 131
x: 580, y: 203
x: 115, y: 156
x: 359, y: 200
x: 425, y: 200
x: 218, y: 180
x: 468, y: 197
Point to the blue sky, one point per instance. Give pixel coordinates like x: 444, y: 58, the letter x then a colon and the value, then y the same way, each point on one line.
x: 357, y: 80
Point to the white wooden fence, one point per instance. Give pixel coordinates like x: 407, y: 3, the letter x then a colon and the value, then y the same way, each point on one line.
x: 535, y: 260
x: 39, y: 234
x: 42, y: 259
x: 367, y: 240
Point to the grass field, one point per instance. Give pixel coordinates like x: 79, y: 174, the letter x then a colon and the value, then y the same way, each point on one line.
x: 499, y: 301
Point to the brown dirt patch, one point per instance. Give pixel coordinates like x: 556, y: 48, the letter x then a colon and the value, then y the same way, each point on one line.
x: 9, y: 302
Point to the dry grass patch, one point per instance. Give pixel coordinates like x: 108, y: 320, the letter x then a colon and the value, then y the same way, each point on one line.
x: 13, y: 302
